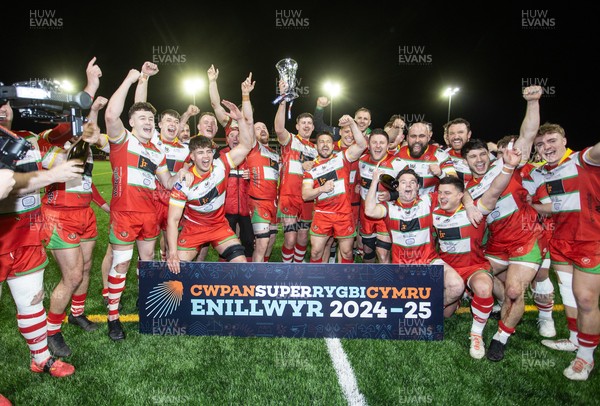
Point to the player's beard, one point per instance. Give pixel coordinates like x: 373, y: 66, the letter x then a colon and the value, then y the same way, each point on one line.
x: 325, y: 155
x: 419, y: 153
x: 264, y: 140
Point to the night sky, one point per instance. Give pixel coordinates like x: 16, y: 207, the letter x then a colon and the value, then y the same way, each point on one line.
x: 392, y: 62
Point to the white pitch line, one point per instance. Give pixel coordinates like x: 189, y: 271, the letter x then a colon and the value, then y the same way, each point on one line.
x: 344, y: 372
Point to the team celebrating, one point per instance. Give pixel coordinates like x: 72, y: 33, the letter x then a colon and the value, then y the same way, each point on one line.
x: 496, y: 220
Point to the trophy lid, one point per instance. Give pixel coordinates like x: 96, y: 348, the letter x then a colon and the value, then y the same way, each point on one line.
x: 286, y: 62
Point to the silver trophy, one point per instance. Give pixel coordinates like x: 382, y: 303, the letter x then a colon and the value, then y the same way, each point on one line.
x: 287, y: 72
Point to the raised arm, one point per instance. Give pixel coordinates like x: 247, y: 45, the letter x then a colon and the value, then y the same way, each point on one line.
x: 246, y: 126
x: 215, y: 98
x: 93, y: 74
x: 319, y: 122
x: 247, y: 88
x: 114, y: 125
x: 593, y: 155
x: 98, y: 105
x: 141, y: 90
x: 394, y: 129
x: 511, y: 158
x: 283, y: 135
x: 531, y: 122
x: 372, y: 208
x: 355, y: 150
x: 64, y: 131
x: 102, y: 140
x: 190, y: 112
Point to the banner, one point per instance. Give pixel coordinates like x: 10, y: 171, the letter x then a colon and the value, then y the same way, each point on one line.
x: 399, y: 302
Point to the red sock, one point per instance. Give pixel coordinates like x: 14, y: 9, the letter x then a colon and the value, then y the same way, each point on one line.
x: 481, y: 307
x: 572, y: 324
x: 54, y: 322
x: 33, y: 328
x: 266, y: 259
x: 316, y: 261
x: 503, y: 333
x: 299, y: 252
x: 287, y: 254
x: 116, y: 286
x: 588, y: 340
x: 78, y: 304
x: 347, y: 261
x: 105, y: 292
x: 503, y: 328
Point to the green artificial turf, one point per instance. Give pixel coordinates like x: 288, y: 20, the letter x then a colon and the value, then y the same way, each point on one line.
x: 192, y: 370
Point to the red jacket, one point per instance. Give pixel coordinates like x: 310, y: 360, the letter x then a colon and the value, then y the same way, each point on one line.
x: 236, y: 197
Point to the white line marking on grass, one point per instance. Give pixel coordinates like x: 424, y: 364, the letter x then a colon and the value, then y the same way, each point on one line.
x: 344, y: 372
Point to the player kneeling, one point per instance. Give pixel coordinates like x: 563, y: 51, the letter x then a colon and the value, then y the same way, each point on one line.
x: 460, y: 243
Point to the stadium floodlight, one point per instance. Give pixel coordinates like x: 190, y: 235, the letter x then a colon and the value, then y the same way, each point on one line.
x: 333, y: 89
x: 449, y: 92
x: 192, y: 86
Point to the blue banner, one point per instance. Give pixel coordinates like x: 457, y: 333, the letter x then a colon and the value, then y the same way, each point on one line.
x: 398, y: 302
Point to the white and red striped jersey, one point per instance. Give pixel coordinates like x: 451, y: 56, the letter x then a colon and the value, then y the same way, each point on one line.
x: 204, y: 200
x: 135, y: 166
